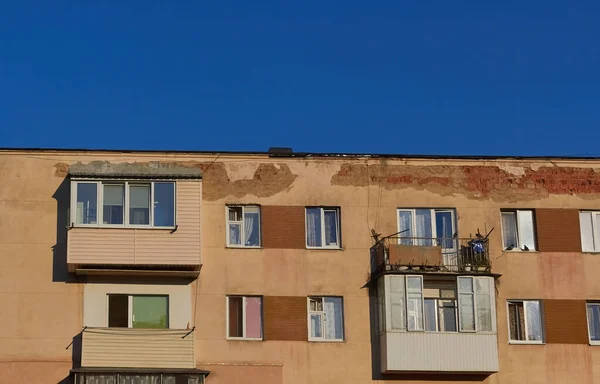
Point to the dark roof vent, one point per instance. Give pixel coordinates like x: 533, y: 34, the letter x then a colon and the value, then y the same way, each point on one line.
x: 280, y: 151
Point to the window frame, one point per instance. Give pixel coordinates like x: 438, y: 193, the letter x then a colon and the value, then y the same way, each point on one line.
x: 309, y: 312
x: 524, y: 301
x: 242, y: 231
x: 434, y: 235
x: 262, y: 328
x: 587, y: 317
x: 595, y: 215
x: 519, y: 247
x: 337, y: 210
x: 126, y: 203
x: 130, y: 308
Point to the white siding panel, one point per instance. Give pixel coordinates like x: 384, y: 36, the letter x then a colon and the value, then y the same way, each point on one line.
x: 441, y: 352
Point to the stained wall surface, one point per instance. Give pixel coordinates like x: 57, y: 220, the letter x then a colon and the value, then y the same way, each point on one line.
x: 42, y: 305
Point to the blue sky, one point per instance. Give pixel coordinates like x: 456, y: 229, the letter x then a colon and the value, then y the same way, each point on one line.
x: 426, y: 77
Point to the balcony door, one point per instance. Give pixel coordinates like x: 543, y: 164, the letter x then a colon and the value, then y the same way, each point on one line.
x: 429, y: 227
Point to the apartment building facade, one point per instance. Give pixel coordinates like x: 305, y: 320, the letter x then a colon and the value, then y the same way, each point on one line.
x: 283, y: 267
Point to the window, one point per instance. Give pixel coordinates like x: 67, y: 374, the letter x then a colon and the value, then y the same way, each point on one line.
x: 322, y: 227
x: 590, y: 231
x: 138, y: 311
x: 518, y: 230
x: 593, y: 315
x: 525, y: 321
x: 244, y: 317
x: 325, y: 319
x: 124, y: 203
x: 243, y: 226
x: 426, y: 227
x: 431, y: 306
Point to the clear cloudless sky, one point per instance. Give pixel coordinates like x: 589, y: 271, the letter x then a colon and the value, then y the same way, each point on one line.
x: 419, y: 77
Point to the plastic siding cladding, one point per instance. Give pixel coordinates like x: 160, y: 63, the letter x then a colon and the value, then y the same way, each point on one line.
x: 441, y: 352
x: 558, y: 230
x: 128, y: 246
x: 285, y: 318
x: 283, y: 227
x: 137, y: 348
x: 565, y: 321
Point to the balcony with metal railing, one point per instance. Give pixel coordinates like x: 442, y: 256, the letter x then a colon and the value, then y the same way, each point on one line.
x: 433, y: 255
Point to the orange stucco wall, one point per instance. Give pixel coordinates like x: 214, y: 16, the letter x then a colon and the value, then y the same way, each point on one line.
x: 42, y: 304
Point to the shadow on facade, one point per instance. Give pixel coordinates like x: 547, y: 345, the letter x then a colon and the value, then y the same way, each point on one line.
x: 75, y: 348
x: 60, y: 271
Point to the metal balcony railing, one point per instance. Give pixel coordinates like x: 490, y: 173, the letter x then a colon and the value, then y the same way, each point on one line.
x: 397, y: 253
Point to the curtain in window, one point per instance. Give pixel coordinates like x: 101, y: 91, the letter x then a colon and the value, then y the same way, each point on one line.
x: 331, y: 227
x: 509, y: 230
x: 443, y: 228
x: 594, y: 321
x: 235, y: 234
x: 423, y: 230
x: 316, y: 321
x: 334, y: 328
x: 236, y: 325
x: 405, y: 222
x: 313, y: 227
x: 251, y: 226
x: 139, y: 379
x: 534, y: 320
x: 587, y: 232
x: 253, y: 317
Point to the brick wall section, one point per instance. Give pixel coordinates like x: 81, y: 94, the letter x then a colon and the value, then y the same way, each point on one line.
x: 283, y: 227
x: 285, y: 318
x: 558, y: 230
x: 566, y: 322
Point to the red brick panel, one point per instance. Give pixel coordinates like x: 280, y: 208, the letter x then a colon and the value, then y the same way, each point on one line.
x: 558, y: 230
x: 285, y: 318
x: 283, y: 227
x: 566, y: 321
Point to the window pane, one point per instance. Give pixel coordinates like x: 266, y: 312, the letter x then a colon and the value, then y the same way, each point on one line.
x: 235, y: 234
x: 236, y: 319
x: 516, y: 320
x: 423, y: 227
x: 313, y: 227
x: 118, y: 311
x: 253, y: 317
x: 397, y: 302
x: 86, y: 203
x: 334, y: 318
x: 331, y: 222
x: 415, y: 311
x: 466, y: 312
x: 484, y: 312
x: 134, y: 378
x: 164, y: 204
x: 534, y: 320
x: 413, y: 283
x: 97, y: 378
x: 465, y: 284
x: 316, y: 330
x: 150, y: 312
x: 482, y: 285
x: 444, y: 229
x: 447, y: 314
x: 405, y: 227
x: 316, y: 304
x: 430, y: 310
x: 235, y: 213
x: 526, y: 234
x: 139, y: 204
x: 593, y: 312
x: 113, y: 197
x: 509, y: 230
x: 587, y: 232
x: 252, y: 226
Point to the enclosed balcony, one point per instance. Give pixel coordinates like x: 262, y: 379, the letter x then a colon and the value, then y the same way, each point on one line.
x: 431, y: 255
x: 134, y: 220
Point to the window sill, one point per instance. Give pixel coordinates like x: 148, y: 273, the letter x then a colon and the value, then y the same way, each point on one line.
x: 594, y: 342
x: 325, y: 341
x: 123, y: 227
x: 243, y: 247
x: 243, y: 339
x: 521, y: 342
x: 520, y: 251
x: 324, y: 248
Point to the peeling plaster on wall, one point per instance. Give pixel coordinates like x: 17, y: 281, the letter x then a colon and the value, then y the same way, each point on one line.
x: 241, y: 170
x: 267, y: 179
x: 476, y: 182
x: 515, y: 171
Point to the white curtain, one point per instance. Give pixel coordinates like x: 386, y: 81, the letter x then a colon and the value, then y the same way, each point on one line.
x: 313, y: 227
x: 534, y: 320
x: 423, y: 226
x: 331, y: 227
x: 509, y: 230
x: 405, y: 222
x: 334, y: 328
x: 249, y: 224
